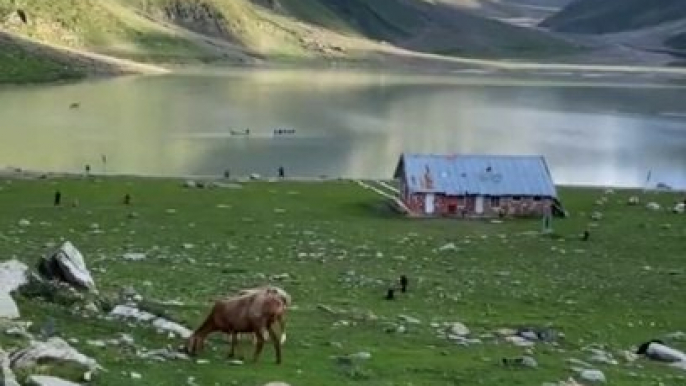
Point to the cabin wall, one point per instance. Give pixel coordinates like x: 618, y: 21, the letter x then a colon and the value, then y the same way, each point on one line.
x: 466, y: 206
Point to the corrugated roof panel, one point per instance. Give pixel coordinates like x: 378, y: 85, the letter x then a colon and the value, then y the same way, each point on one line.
x: 488, y: 175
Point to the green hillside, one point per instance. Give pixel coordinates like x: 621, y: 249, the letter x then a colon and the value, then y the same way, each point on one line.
x: 606, y: 16
x: 241, y: 31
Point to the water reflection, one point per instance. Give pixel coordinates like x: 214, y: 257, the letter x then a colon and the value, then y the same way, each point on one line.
x: 347, y: 124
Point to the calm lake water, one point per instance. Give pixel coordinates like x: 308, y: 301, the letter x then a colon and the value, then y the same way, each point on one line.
x: 347, y: 124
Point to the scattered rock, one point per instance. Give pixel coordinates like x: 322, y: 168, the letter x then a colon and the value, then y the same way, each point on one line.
x: 276, y: 384
x: 678, y: 335
x: 519, y: 341
x: 593, y: 376
x: 7, y: 377
x: 236, y: 362
x: 44, y: 380
x: 362, y: 355
x: 458, y: 329
x: 163, y: 354
x: 67, y: 265
x: 448, y: 247
x: 189, y: 184
x: 596, y: 216
x: 129, y: 312
x: 409, y: 319
x: 679, y: 208
x: 24, y: 222
x: 55, y: 350
x: 653, y: 206
x: 598, y: 355
x: 134, y: 256
x: 135, y: 375
x: 634, y: 200
x: 524, y: 361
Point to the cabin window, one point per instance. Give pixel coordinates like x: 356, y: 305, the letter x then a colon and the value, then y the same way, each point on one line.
x: 495, y: 202
x: 516, y: 198
x: 537, y: 198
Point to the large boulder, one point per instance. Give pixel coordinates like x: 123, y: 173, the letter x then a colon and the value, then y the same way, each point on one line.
x: 12, y: 275
x: 67, y: 265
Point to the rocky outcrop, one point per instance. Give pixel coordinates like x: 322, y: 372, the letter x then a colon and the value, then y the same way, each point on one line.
x: 68, y: 266
x: 198, y: 16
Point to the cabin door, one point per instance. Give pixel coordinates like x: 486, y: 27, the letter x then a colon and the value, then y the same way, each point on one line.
x: 429, y: 206
x: 479, y: 206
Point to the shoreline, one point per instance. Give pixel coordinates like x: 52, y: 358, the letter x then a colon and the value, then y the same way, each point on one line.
x: 13, y: 173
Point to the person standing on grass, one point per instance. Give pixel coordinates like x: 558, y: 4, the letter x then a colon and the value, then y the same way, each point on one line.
x: 58, y: 198
x: 282, y: 172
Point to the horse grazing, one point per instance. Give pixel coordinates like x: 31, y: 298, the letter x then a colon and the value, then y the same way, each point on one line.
x: 254, y: 311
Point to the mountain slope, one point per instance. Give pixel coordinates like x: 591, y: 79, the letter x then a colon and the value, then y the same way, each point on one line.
x: 607, y: 16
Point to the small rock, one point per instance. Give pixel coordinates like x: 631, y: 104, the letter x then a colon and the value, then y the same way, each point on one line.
x: 653, y: 206
x: 634, y: 200
x: 135, y: 375
x: 363, y: 355
x: 188, y: 246
x: 276, y: 384
x: 44, y: 380
x: 236, y: 362
x: 24, y: 222
x: 409, y: 319
x: 134, y: 256
x: 448, y: 247
x: 596, y: 216
x: 593, y: 376
x: 457, y: 328
x: 519, y: 341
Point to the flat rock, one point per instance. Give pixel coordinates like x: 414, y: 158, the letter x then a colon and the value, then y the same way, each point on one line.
x: 592, y: 376
x: 54, y: 349
x: 44, y: 380
x: 128, y: 312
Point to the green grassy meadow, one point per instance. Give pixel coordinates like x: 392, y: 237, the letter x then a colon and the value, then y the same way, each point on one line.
x: 341, y: 247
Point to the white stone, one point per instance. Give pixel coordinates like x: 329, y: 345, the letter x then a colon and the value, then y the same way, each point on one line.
x: 593, y: 376
x: 74, y: 267
x: 134, y: 256
x: 653, y: 206
x: 129, y: 312
x: 660, y: 352
x: 44, y: 380
x: 12, y: 276
x: 7, y: 377
x: 458, y: 329
x: 55, y: 349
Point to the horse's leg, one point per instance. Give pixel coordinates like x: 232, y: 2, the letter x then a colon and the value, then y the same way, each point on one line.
x: 276, y: 340
x: 258, y: 344
x: 233, y: 343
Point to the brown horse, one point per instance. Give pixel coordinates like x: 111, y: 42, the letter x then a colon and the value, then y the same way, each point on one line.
x: 252, y: 312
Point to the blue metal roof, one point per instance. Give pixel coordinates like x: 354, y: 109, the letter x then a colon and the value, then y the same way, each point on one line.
x: 487, y: 175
